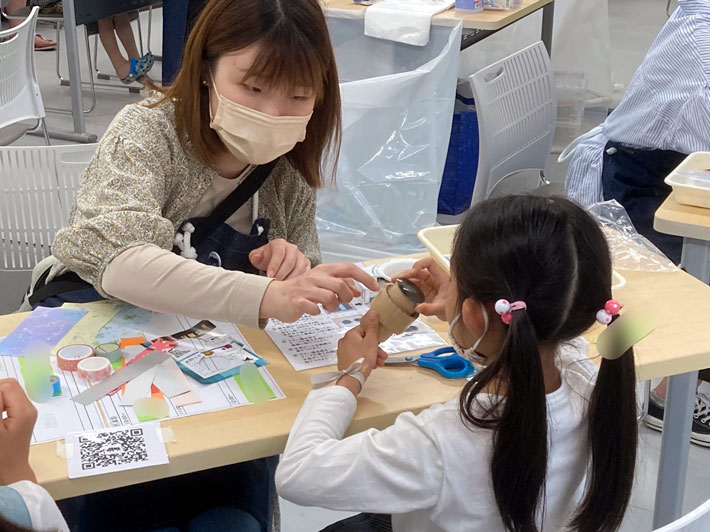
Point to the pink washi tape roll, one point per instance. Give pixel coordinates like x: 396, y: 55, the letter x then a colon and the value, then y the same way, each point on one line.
x: 94, y: 369
x: 68, y: 357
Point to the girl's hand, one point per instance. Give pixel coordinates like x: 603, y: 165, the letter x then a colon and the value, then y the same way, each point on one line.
x: 17, y: 420
x: 280, y: 260
x: 328, y: 285
x: 434, y: 283
x: 360, y: 342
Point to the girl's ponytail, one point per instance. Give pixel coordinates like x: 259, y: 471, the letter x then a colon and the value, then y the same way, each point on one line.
x: 519, y: 460
x: 613, y: 433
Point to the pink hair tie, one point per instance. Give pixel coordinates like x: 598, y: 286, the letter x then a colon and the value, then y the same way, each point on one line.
x: 611, y: 309
x: 505, y: 308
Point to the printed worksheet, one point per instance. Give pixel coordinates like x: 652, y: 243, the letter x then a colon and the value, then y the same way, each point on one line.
x: 312, y: 341
x: 61, y: 416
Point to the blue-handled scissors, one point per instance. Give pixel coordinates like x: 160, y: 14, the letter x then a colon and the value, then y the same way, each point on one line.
x: 444, y: 360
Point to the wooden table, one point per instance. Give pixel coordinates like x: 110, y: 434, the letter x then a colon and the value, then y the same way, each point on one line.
x: 488, y: 21
x: 693, y: 224
x: 228, y: 436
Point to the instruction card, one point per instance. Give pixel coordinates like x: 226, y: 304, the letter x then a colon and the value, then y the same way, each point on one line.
x: 312, y: 341
x: 208, y: 354
x: 111, y: 450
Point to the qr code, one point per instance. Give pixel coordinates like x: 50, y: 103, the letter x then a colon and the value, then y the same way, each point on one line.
x: 106, y: 449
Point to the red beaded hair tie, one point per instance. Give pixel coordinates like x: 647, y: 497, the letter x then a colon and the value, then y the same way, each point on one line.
x: 611, y: 309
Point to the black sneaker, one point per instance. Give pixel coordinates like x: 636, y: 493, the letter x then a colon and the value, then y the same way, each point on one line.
x: 700, y: 431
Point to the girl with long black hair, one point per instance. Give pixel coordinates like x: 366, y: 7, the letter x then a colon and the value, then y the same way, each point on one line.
x: 538, y: 440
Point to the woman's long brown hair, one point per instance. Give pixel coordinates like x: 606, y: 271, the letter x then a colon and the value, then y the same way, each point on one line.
x: 295, y: 51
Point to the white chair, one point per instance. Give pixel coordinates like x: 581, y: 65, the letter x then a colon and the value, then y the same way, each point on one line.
x: 20, y: 98
x: 37, y: 188
x: 696, y: 521
x: 516, y: 109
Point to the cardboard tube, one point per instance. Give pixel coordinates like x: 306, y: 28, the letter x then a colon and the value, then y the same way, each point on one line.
x: 395, y: 310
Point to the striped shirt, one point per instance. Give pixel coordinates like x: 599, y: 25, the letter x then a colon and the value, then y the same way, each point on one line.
x: 666, y: 106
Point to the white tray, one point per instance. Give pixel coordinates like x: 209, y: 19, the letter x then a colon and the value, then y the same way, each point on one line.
x: 697, y: 192
x: 439, y: 241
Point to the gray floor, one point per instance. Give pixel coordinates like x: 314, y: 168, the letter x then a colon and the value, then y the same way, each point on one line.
x: 634, y: 24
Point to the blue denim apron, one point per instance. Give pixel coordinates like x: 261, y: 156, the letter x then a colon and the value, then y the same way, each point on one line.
x: 229, y: 249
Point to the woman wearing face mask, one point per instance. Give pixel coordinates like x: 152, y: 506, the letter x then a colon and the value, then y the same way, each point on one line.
x: 218, y: 170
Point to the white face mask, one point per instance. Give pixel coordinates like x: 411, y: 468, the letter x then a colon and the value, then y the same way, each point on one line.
x: 254, y: 137
x: 470, y: 352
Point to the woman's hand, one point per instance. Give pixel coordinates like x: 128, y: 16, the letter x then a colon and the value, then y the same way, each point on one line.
x: 17, y: 420
x: 434, y: 283
x: 360, y: 342
x: 328, y: 285
x: 280, y: 260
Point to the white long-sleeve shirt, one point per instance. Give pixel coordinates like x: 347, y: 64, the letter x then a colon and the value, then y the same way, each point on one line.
x: 430, y: 471
x: 666, y: 106
x: 29, y: 505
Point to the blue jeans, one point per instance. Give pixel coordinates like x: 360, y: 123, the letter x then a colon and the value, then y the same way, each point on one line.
x: 222, y: 519
x: 634, y: 178
x: 178, y: 18
x: 174, y: 24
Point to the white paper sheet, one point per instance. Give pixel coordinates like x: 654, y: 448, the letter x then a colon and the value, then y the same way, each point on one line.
x: 170, y: 380
x: 118, y: 449
x: 312, y: 341
x: 138, y: 387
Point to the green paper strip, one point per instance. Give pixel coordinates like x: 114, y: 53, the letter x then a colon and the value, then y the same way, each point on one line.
x: 149, y: 408
x: 623, y: 334
x: 253, y: 385
x: 36, y: 371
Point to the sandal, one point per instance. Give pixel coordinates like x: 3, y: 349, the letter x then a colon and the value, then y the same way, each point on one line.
x: 139, y: 68
x: 46, y: 45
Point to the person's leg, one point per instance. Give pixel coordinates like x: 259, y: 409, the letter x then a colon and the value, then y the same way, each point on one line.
x: 138, y: 66
x: 224, y: 519
x: 40, y: 42
x: 634, y: 178
x: 174, y: 34
x: 247, y: 486
x: 122, y: 25
x: 700, y: 432
x: 110, y: 44
x: 10, y: 9
x: 662, y: 388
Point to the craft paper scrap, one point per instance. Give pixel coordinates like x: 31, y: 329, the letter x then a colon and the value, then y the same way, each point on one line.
x: 114, y: 382
x: 170, y: 380
x: 128, y: 323
x: 128, y: 342
x: 189, y: 398
x: 48, y: 325
x: 139, y: 387
x: 98, y: 315
x: 118, y: 449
